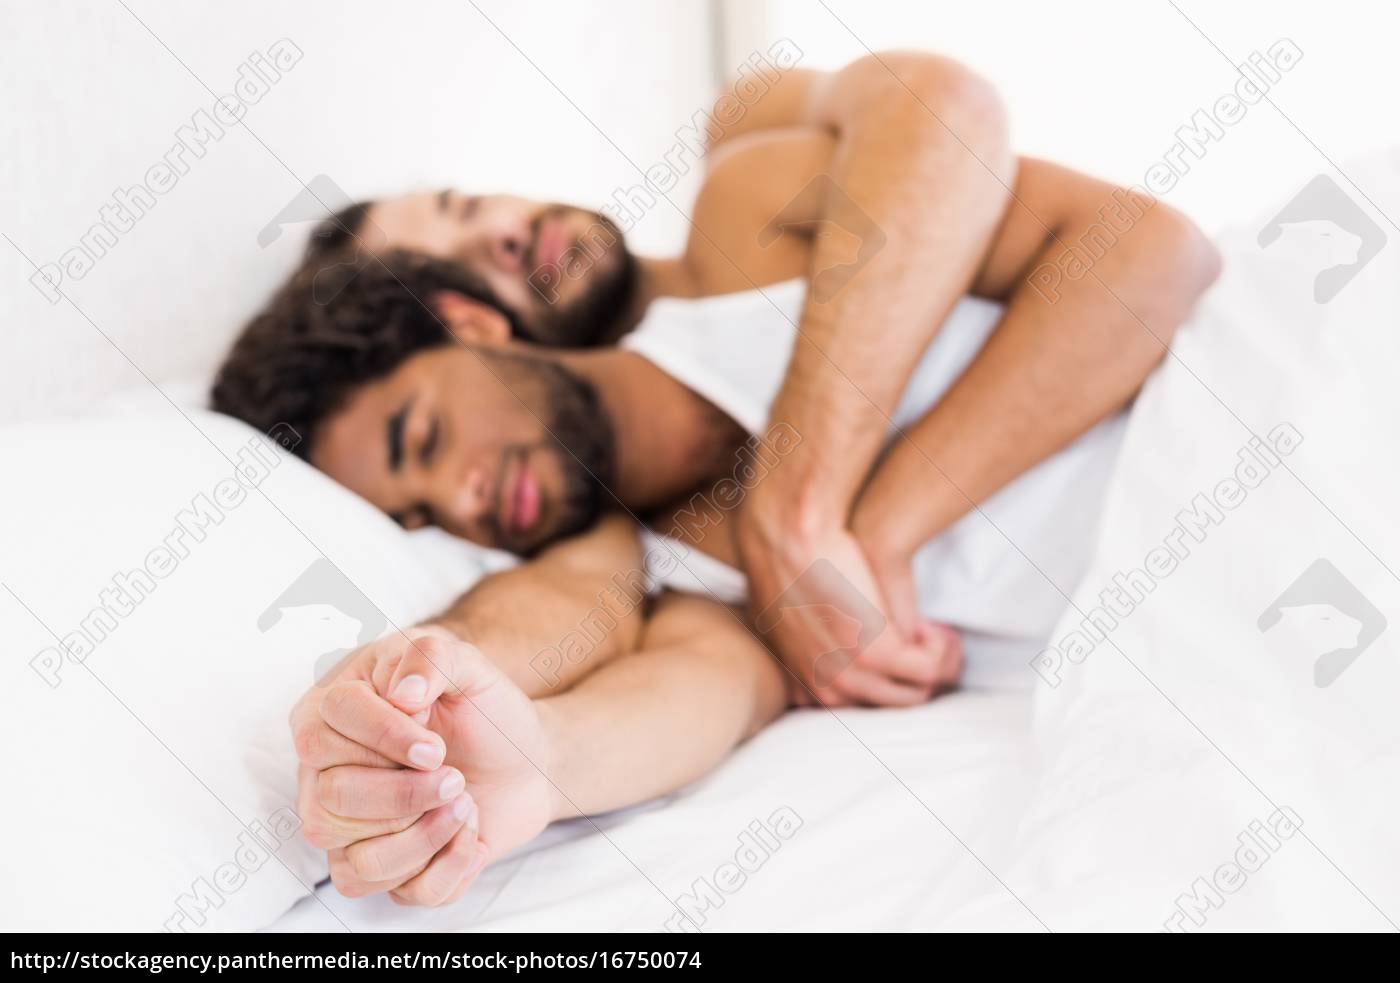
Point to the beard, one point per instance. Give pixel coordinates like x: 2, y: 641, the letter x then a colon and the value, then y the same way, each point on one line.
x: 593, y: 317
x: 579, y: 439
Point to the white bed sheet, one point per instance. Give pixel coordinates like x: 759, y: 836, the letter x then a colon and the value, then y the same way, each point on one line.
x: 1161, y: 749
x: 906, y: 819
x: 905, y: 815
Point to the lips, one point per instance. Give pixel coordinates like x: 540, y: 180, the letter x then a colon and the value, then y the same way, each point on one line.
x: 520, y: 496
x: 551, y: 242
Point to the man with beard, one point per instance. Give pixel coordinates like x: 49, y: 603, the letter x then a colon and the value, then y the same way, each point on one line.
x: 533, y: 442
x: 891, y: 183
x: 461, y: 429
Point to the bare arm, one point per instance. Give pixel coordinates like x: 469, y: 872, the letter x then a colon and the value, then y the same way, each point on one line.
x: 919, y: 179
x: 644, y: 725
x: 947, y: 231
x: 560, y: 615
x: 921, y: 168
x: 655, y: 720
x: 1063, y: 358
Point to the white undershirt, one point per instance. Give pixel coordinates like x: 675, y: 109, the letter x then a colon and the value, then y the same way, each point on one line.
x: 1005, y: 569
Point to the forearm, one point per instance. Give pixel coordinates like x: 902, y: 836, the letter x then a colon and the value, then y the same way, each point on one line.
x: 557, y: 617
x: 920, y: 178
x: 657, y: 719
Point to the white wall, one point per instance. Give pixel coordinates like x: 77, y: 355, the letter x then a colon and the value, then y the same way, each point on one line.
x: 1103, y: 85
x: 387, y: 96
x: 426, y: 93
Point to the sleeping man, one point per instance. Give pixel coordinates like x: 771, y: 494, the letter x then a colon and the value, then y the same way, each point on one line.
x: 422, y: 759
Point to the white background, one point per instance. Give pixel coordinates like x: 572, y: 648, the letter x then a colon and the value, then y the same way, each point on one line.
x: 426, y: 93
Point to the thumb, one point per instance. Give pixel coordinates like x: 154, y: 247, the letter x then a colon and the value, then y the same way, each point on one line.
x: 437, y: 664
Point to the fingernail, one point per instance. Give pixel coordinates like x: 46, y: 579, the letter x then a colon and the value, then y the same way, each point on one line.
x: 463, y: 807
x: 425, y: 755
x: 411, y: 689
x: 452, y: 786
x: 479, y: 861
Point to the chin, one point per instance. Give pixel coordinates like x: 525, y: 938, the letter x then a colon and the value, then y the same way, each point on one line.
x: 528, y: 547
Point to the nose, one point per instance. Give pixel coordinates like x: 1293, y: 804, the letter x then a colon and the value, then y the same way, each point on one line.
x: 509, y: 241
x: 509, y: 251
x: 462, y: 501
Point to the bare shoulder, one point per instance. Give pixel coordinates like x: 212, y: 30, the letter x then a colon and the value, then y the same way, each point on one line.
x: 740, y: 236
x: 679, y: 617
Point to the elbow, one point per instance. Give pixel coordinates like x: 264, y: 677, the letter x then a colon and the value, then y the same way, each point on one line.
x: 1181, y: 263
x: 1190, y: 255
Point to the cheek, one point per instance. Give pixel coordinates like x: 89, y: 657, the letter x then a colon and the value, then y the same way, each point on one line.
x: 486, y: 428
x: 443, y: 240
x: 352, y: 471
x: 431, y: 236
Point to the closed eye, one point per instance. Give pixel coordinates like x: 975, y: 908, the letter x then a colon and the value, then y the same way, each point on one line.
x: 394, y: 436
x: 414, y: 518
x: 425, y: 456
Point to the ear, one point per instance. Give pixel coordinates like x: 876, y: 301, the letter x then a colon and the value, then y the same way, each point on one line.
x: 469, y: 320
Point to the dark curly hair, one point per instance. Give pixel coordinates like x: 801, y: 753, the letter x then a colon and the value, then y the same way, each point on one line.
x: 332, y: 328
x: 336, y: 234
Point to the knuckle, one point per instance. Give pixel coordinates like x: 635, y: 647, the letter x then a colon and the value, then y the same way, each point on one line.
x: 391, y: 733
x: 347, y: 883
x: 437, y: 895
x: 331, y: 791
x: 308, y: 741
x: 406, y: 795
x: 443, y: 827
x: 430, y: 647
x: 366, y: 861
x: 320, y: 833
x: 341, y: 698
x: 396, y: 825
x: 421, y: 892
x: 404, y: 896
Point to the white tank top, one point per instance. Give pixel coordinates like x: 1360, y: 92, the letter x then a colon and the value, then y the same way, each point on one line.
x: 1005, y: 568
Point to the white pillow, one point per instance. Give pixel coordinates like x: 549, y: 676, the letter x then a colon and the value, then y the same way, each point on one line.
x: 1156, y: 762
x: 141, y: 779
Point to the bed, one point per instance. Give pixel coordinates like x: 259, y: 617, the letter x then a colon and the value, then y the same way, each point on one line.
x: 1117, y: 786
x: 902, y: 820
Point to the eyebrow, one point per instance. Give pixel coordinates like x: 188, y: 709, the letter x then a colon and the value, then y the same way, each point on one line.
x: 394, y: 435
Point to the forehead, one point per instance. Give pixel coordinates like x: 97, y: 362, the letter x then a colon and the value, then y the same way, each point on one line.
x: 346, y: 446
x: 356, y: 430
x: 400, y: 217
